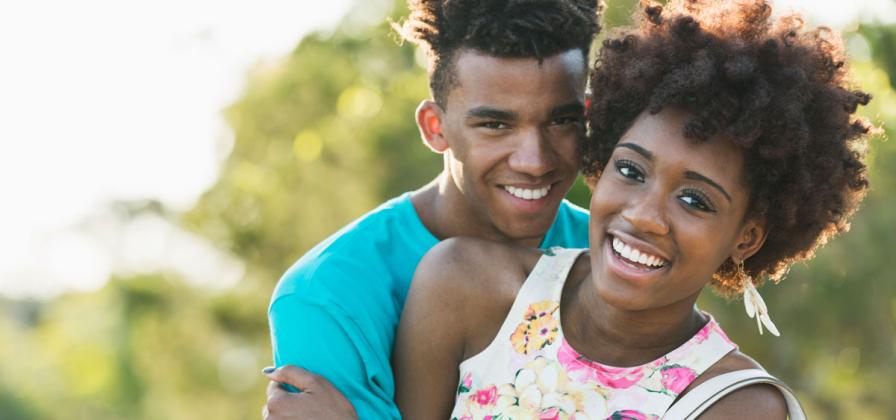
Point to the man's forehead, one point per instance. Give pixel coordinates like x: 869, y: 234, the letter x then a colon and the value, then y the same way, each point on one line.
x: 483, y: 78
x: 573, y: 58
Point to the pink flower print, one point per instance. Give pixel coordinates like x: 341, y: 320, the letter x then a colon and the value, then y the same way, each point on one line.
x: 703, y: 334
x: 720, y: 333
x: 465, y: 384
x: 631, y: 415
x: 585, y: 370
x: 676, y: 378
x: 552, y: 413
x: 619, y: 378
x: 486, y: 397
x: 656, y: 364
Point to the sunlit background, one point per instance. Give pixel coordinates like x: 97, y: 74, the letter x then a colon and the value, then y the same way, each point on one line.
x: 161, y: 163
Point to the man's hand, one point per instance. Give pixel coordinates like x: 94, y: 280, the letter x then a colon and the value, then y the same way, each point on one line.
x: 319, y: 399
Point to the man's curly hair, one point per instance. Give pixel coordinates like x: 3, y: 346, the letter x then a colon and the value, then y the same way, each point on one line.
x: 502, y: 28
x: 774, y: 88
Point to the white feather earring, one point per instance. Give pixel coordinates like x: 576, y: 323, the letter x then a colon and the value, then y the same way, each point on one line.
x: 754, y: 304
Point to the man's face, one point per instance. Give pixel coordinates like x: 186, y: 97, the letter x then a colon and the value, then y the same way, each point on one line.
x: 512, y: 126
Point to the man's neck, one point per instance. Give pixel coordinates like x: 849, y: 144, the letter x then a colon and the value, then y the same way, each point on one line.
x: 445, y: 213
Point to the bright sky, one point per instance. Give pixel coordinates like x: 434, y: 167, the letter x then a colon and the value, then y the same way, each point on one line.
x: 104, y: 100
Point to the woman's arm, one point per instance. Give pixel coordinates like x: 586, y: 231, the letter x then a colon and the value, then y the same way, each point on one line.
x: 755, y: 402
x: 429, y: 344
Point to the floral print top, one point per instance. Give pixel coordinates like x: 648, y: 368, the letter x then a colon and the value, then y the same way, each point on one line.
x: 529, y: 371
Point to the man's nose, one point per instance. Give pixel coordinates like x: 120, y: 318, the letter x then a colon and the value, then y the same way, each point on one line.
x: 533, y: 155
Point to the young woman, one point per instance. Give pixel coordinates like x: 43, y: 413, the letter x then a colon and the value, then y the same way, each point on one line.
x: 722, y: 150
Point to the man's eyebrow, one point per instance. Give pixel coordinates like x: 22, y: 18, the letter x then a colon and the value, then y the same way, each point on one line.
x: 487, y: 112
x: 642, y: 151
x: 696, y: 176
x: 576, y: 108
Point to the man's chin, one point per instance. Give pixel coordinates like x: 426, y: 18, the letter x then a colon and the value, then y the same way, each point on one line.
x: 528, y: 229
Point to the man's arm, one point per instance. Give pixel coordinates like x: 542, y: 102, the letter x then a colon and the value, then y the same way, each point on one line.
x: 326, y: 342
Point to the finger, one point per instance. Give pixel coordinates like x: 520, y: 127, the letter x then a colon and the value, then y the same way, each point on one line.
x: 273, y: 389
x: 286, y: 404
x: 297, y: 377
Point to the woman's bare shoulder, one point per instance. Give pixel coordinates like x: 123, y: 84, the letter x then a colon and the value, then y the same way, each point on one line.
x: 477, y: 281
x: 751, y: 402
x: 468, y: 267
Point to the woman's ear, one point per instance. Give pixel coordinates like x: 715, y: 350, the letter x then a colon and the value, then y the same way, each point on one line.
x: 429, y: 121
x: 751, y: 238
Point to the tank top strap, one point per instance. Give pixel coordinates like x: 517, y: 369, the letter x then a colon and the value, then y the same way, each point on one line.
x: 539, y: 296
x: 545, y: 283
x: 549, y: 280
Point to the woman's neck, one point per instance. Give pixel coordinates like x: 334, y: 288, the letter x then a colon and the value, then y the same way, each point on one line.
x: 619, y: 337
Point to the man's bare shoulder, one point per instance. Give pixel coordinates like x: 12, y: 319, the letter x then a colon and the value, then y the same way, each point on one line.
x: 751, y: 402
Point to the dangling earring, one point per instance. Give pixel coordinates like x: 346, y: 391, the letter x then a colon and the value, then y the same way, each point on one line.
x: 754, y: 304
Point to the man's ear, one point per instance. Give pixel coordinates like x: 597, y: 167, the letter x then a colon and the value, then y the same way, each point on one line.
x: 752, y: 237
x: 429, y: 121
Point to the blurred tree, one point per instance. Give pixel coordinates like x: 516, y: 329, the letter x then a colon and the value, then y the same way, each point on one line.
x: 882, y: 40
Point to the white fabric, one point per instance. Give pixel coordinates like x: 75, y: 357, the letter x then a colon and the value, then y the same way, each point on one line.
x: 697, y: 400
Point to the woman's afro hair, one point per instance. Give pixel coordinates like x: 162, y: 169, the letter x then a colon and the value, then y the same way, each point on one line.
x: 776, y: 89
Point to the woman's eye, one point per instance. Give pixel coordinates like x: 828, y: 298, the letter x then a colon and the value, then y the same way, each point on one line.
x: 629, y: 170
x: 697, y: 200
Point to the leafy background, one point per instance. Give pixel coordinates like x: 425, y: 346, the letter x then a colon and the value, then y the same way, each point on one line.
x: 326, y: 134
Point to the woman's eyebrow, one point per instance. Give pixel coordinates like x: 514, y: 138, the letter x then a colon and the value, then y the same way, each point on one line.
x: 696, y: 176
x: 642, y: 151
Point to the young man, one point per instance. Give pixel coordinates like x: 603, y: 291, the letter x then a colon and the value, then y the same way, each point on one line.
x: 508, y: 80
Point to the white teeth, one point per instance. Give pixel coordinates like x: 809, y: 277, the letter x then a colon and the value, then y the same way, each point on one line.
x: 643, y: 259
x: 635, y: 255
x: 527, y: 194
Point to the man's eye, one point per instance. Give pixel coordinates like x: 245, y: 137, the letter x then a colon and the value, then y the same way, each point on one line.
x: 696, y: 200
x: 566, y: 120
x: 494, y: 125
x: 629, y: 170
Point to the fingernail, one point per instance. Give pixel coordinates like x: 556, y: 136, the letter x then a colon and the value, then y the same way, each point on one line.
x: 268, y: 370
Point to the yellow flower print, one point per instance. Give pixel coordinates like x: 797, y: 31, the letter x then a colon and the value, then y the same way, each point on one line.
x: 538, y: 329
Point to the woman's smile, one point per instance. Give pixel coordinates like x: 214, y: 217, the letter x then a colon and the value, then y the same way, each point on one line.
x: 631, y: 264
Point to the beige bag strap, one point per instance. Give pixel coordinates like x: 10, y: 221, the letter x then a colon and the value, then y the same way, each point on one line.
x: 706, y: 394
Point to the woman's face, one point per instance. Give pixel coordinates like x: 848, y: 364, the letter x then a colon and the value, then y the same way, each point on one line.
x: 666, y: 212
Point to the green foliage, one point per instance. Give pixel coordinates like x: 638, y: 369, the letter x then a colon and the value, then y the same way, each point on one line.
x: 324, y: 135
x: 837, y: 312
x: 320, y: 138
